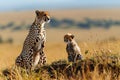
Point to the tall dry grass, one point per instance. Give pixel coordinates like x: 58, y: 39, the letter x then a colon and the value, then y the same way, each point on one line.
x: 101, y: 61
x: 101, y: 67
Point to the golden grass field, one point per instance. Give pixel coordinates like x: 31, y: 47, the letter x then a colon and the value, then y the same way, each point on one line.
x: 90, y: 40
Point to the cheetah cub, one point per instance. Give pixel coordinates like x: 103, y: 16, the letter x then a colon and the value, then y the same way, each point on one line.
x: 73, y: 50
x: 32, y: 53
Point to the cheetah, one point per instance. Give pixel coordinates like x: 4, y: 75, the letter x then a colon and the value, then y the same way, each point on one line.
x: 72, y: 48
x: 32, y: 53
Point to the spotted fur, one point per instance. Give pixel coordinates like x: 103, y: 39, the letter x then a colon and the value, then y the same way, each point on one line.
x: 73, y: 50
x: 32, y: 54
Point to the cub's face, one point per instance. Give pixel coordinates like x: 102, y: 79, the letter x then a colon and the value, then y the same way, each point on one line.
x: 68, y: 37
x: 42, y: 16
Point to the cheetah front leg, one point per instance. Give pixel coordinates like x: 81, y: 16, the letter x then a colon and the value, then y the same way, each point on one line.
x: 42, y: 59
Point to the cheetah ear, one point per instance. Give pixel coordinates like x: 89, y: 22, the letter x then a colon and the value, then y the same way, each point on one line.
x: 37, y: 12
x: 72, y: 36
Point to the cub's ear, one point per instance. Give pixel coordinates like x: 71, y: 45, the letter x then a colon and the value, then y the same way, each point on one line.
x: 72, y: 36
x: 37, y: 12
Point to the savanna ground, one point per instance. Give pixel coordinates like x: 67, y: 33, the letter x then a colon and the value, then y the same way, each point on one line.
x: 92, y: 42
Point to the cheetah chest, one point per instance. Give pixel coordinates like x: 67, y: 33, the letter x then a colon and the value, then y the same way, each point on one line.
x: 36, y: 59
x: 41, y: 40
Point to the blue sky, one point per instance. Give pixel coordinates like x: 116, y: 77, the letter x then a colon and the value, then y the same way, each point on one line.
x: 12, y: 5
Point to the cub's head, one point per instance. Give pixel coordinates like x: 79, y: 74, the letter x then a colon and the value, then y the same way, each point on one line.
x: 42, y: 17
x: 68, y: 37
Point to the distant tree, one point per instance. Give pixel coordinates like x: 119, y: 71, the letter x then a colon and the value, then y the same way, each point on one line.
x: 68, y: 21
x: 3, y: 27
x: 1, y: 40
x: 9, y: 40
x: 54, y: 23
x: 10, y: 24
x: 83, y: 25
x: 28, y: 26
x: 116, y: 22
x: 23, y: 25
x: 107, y: 24
x: 17, y: 28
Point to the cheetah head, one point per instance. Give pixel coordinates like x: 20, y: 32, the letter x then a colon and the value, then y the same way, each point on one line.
x: 68, y: 37
x: 42, y: 17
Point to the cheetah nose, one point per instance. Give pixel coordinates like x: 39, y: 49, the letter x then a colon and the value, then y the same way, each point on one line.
x: 48, y: 18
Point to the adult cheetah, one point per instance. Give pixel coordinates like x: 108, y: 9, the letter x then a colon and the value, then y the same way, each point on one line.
x: 73, y: 50
x: 32, y: 53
